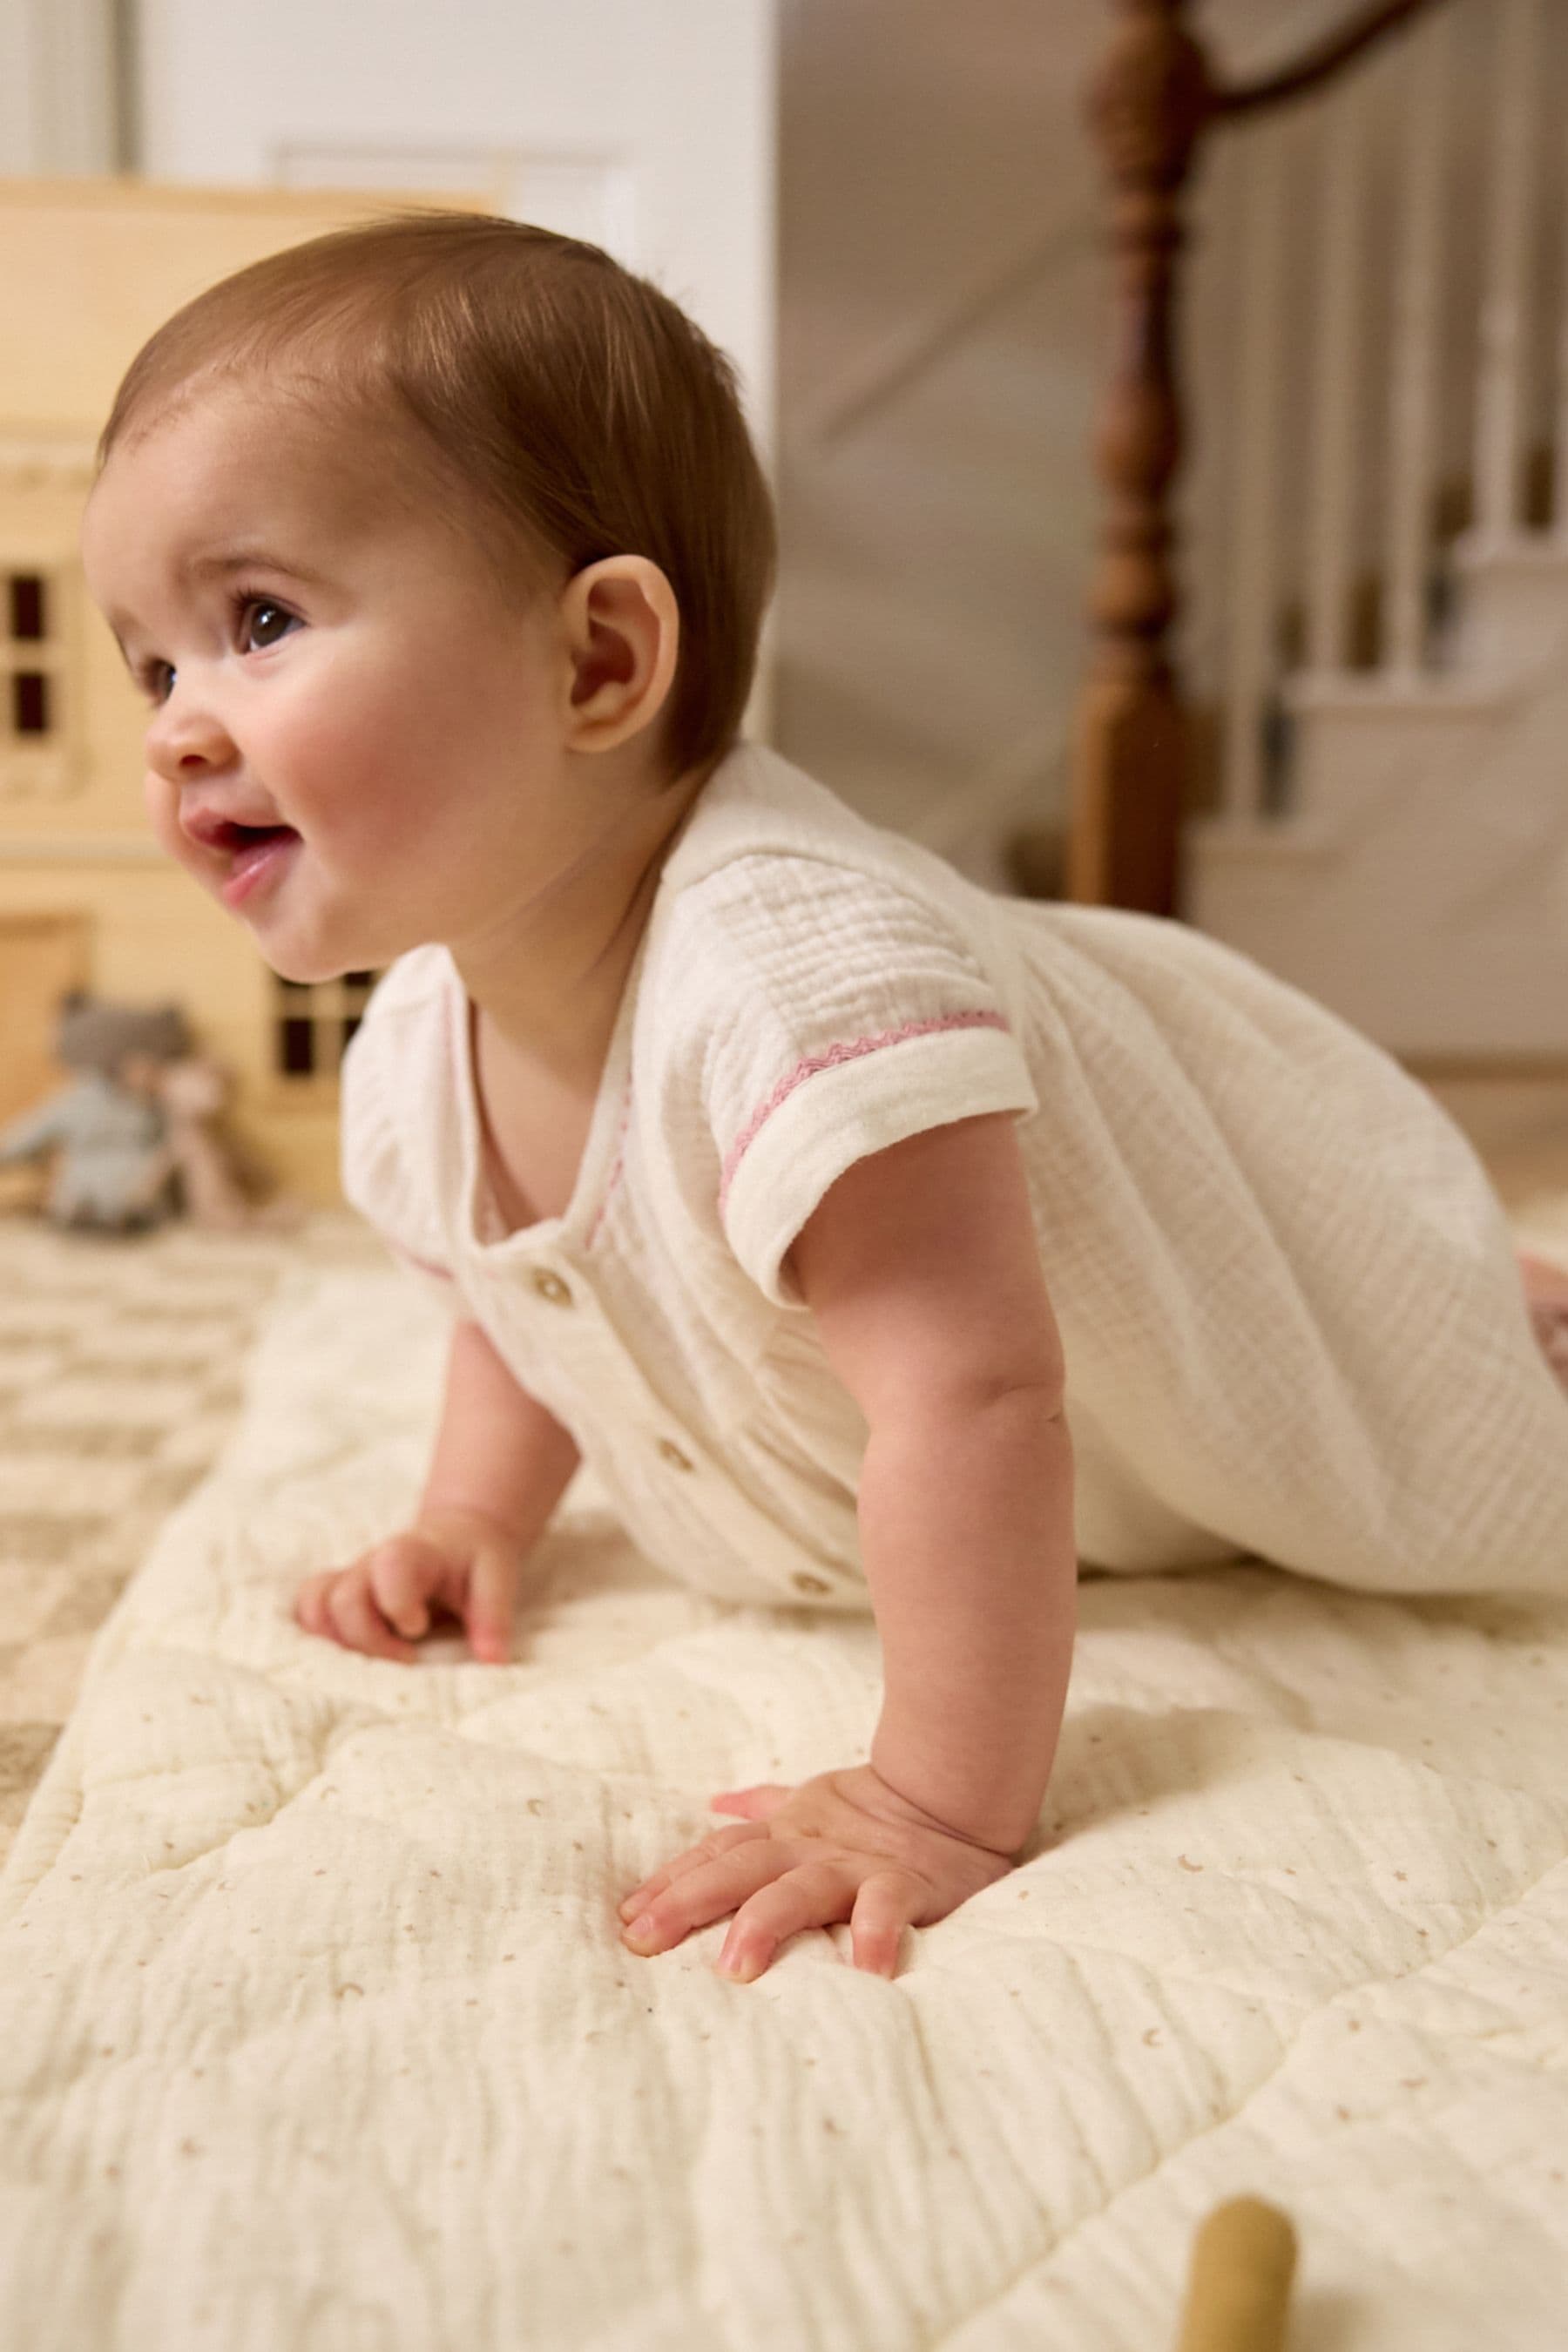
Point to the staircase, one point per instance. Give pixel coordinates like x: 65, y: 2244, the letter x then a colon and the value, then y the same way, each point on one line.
x: 1393, y: 838
x: 1416, y: 881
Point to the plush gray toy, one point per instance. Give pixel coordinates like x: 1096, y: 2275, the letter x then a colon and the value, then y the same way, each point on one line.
x: 107, y: 1128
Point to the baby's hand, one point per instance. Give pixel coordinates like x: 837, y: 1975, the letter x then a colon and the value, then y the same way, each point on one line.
x: 843, y: 1845
x: 456, y: 1562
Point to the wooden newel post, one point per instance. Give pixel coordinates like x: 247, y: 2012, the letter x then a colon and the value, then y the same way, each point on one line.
x: 1147, y: 107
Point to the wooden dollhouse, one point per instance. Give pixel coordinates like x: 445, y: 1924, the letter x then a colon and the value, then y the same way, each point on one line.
x: 87, y: 269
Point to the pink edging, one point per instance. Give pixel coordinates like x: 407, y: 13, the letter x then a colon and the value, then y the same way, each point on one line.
x: 850, y: 1053
x: 442, y: 1273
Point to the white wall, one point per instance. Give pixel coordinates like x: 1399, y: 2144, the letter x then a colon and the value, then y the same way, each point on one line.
x: 652, y: 126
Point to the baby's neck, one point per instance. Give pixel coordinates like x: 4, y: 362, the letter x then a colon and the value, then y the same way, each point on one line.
x: 548, y: 996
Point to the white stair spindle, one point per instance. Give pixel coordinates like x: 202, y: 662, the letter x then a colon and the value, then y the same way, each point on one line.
x: 1505, y: 290
x: 1415, y: 356
x: 1342, y: 173
x: 1254, y: 533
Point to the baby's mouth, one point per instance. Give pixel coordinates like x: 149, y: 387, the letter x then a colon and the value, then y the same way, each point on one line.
x: 227, y: 836
x: 258, y: 856
x: 235, y: 837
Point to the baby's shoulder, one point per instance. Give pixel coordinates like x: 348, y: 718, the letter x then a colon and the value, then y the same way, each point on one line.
x: 773, y: 960
x: 775, y: 876
x: 798, y: 908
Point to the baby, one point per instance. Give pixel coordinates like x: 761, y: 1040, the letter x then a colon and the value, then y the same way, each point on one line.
x: 879, y: 1241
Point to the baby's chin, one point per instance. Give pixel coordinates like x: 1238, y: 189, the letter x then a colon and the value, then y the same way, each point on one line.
x: 308, y: 944
x: 306, y: 970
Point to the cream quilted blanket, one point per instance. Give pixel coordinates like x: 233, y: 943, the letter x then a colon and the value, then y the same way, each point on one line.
x: 318, y: 2035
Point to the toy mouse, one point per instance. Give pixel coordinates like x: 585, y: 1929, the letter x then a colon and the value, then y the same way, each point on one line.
x: 206, y: 1167
x: 110, y: 1172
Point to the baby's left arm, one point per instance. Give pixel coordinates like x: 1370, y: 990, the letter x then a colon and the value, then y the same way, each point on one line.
x: 922, y: 1273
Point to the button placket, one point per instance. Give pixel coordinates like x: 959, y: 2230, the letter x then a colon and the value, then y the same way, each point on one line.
x: 748, y: 1528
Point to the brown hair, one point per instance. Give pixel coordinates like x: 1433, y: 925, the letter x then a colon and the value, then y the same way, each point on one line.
x: 582, y: 411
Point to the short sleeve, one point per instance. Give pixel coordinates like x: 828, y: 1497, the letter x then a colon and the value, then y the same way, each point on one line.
x: 379, y: 1178
x: 838, y: 1014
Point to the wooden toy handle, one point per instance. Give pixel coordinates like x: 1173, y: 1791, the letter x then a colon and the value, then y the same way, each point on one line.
x: 1238, y: 2285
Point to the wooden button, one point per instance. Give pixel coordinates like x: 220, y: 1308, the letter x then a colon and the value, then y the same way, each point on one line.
x: 805, y: 1583
x: 549, y: 1285
x: 674, y: 1456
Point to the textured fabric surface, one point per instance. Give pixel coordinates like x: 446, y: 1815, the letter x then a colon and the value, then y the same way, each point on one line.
x: 1292, y: 1319
x: 315, y: 2029
x: 119, y: 1362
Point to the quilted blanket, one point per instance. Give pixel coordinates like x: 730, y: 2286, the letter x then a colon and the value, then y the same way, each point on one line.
x: 317, y: 2034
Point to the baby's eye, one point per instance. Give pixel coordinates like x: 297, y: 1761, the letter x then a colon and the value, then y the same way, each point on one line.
x: 259, y: 605
x: 156, y: 679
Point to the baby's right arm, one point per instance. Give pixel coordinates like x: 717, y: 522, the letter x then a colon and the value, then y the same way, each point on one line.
x: 500, y: 1466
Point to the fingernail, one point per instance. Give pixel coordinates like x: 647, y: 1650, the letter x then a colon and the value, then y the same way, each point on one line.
x: 645, y: 1928
x: 742, y: 1971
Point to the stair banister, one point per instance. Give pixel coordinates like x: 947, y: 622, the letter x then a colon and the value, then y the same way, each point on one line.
x: 1155, y: 97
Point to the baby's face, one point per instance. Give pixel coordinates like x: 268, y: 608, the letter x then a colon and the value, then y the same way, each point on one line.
x: 355, y: 684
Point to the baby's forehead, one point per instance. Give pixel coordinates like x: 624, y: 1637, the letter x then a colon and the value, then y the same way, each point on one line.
x: 243, y: 438
x: 238, y: 466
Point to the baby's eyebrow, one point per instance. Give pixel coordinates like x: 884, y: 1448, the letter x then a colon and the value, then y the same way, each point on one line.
x: 237, y: 558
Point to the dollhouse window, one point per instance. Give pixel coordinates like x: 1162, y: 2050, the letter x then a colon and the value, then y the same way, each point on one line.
x: 30, y: 657
x: 312, y: 1023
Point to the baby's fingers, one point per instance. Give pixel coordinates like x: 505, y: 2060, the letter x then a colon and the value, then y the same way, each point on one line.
x: 329, y: 1604
x: 492, y: 1598
x: 359, y: 1624
x: 812, y: 1894
x: 697, y: 1887
x: 405, y: 1573
x: 310, y: 1604
x: 695, y: 1858
x: 884, y: 1907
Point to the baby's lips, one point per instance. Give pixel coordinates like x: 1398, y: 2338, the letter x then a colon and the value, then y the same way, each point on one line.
x: 212, y: 825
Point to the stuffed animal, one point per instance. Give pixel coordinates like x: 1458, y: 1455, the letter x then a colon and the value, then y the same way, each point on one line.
x: 208, y: 1168
x: 111, y: 1169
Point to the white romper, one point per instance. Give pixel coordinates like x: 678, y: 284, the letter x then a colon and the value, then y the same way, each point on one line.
x: 1293, y: 1319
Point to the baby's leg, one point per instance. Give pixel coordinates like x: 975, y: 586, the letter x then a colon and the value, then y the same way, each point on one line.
x: 1546, y: 1292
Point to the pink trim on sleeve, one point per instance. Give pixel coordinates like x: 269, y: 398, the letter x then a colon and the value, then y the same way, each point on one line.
x: 835, y: 1054
x: 442, y: 1273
